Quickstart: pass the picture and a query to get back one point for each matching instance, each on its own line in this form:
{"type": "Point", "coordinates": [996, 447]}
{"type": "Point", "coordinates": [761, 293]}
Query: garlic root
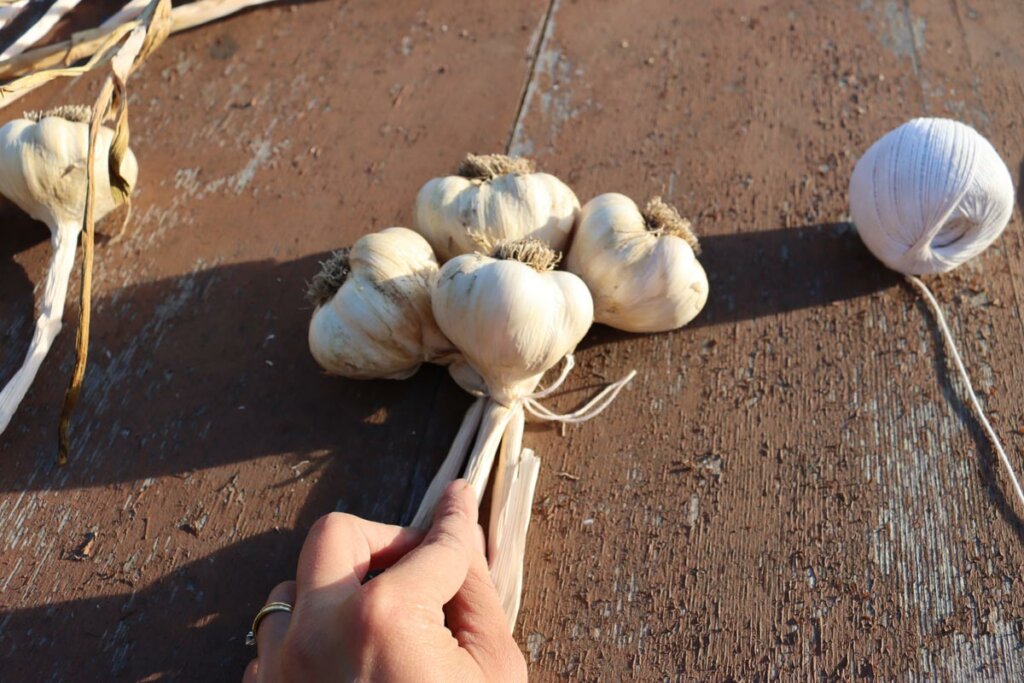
{"type": "Point", "coordinates": [490, 166]}
{"type": "Point", "coordinates": [664, 219]}
{"type": "Point", "coordinates": [449, 469]}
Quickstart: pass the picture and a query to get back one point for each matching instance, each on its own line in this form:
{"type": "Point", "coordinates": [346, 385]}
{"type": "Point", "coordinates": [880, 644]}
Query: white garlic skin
{"type": "Point", "coordinates": [379, 323]}
{"type": "Point", "coordinates": [453, 212]}
{"type": "Point", "coordinates": [511, 322]}
{"type": "Point", "coordinates": [43, 169]}
{"type": "Point", "coordinates": [641, 281]}
{"type": "Point", "coordinates": [930, 195]}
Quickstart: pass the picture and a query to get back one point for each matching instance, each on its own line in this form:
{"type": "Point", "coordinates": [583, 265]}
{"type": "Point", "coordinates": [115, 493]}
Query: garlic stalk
{"type": "Point", "coordinates": [373, 316]}
{"type": "Point", "coordinates": [508, 453]}
{"type": "Point", "coordinates": [9, 10]}
{"type": "Point", "coordinates": [40, 29]}
{"type": "Point", "coordinates": [130, 11]}
{"type": "Point", "coordinates": [641, 267]}
{"type": "Point", "coordinates": [494, 198]}
{"type": "Point", "coordinates": [43, 159]}
{"type": "Point", "coordinates": [507, 536]}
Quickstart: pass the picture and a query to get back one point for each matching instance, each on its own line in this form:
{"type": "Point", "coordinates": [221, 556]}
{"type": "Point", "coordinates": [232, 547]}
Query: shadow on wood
{"type": "Point", "coordinates": [989, 466]}
{"type": "Point", "coordinates": [772, 272]}
{"type": "Point", "coordinates": [211, 368]}
{"type": "Point", "coordinates": [189, 625]}
{"type": "Point", "coordinates": [17, 299]}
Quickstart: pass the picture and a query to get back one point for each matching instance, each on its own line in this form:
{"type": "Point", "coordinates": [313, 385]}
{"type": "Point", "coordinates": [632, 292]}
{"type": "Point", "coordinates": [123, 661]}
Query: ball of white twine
{"type": "Point", "coordinates": [927, 197]}
{"type": "Point", "coordinates": [930, 195]}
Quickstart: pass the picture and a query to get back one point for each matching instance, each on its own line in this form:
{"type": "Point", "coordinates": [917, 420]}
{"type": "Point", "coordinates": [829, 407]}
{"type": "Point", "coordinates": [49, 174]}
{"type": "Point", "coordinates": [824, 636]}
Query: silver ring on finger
{"type": "Point", "coordinates": [267, 609]}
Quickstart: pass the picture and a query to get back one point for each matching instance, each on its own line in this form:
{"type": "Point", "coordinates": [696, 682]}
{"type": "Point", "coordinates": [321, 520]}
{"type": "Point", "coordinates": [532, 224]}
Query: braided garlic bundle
{"type": "Point", "coordinates": [500, 314]}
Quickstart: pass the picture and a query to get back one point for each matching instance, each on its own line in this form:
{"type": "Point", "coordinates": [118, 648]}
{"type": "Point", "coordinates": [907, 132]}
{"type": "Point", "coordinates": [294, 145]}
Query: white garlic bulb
{"type": "Point", "coordinates": [43, 159]}
{"type": "Point", "coordinates": [42, 166]}
{"type": "Point", "coordinates": [373, 317]}
{"type": "Point", "coordinates": [930, 195]}
{"type": "Point", "coordinates": [511, 315]}
{"type": "Point", "coordinates": [641, 268]}
{"type": "Point", "coordinates": [494, 198]}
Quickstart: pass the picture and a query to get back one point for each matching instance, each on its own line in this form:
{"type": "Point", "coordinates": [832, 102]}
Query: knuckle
{"type": "Point", "coordinates": [332, 524]}
{"type": "Point", "coordinates": [447, 537]}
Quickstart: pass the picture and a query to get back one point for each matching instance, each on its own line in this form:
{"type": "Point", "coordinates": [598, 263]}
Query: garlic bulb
{"type": "Point", "coordinates": [512, 316]}
{"type": "Point", "coordinates": [930, 195]}
{"type": "Point", "coordinates": [494, 198]}
{"type": "Point", "coordinates": [641, 268]}
{"type": "Point", "coordinates": [42, 165]}
{"type": "Point", "coordinates": [43, 159]}
{"type": "Point", "coordinates": [373, 317]}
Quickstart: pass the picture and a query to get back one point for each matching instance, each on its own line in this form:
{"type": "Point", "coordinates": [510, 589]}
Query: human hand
{"type": "Point", "coordinates": [433, 615]}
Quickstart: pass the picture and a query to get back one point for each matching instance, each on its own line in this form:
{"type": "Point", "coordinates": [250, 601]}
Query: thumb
{"type": "Point", "coordinates": [437, 568]}
{"type": "Point", "coordinates": [477, 620]}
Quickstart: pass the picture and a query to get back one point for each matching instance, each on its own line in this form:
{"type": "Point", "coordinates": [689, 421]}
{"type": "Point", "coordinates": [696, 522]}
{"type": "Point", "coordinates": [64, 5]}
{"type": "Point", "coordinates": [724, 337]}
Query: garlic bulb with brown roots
{"type": "Point", "coordinates": [640, 266]}
{"type": "Point", "coordinates": [511, 315]}
{"type": "Point", "coordinates": [494, 198]}
{"type": "Point", "coordinates": [373, 316]}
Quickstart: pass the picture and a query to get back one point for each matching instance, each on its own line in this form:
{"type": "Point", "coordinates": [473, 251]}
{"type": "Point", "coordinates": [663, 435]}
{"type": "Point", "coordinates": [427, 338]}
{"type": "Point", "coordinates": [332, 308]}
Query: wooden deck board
{"type": "Point", "coordinates": [265, 141]}
{"type": "Point", "coordinates": [791, 488]}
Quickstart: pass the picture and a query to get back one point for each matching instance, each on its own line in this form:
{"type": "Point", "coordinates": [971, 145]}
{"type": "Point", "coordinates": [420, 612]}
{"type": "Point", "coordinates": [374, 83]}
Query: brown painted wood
{"type": "Point", "coordinates": [208, 440]}
{"type": "Point", "coordinates": [790, 489]}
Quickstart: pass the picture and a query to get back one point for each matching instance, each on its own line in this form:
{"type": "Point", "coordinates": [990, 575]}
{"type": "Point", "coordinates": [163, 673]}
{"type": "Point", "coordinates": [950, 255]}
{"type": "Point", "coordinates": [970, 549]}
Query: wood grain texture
{"type": "Point", "coordinates": [208, 441]}
{"type": "Point", "coordinates": [791, 489]}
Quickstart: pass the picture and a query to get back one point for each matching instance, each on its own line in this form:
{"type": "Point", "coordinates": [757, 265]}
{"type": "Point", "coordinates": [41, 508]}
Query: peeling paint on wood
{"type": "Point", "coordinates": [791, 488]}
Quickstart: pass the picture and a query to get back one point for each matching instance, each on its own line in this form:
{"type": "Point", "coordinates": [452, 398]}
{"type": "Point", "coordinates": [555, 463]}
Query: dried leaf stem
{"type": "Point", "coordinates": [481, 458]}
{"type": "Point", "coordinates": [510, 527]}
{"type": "Point", "coordinates": [40, 28]}
{"type": "Point", "coordinates": [88, 227]}
{"type": "Point", "coordinates": [88, 43]}
{"type": "Point", "coordinates": [152, 29]}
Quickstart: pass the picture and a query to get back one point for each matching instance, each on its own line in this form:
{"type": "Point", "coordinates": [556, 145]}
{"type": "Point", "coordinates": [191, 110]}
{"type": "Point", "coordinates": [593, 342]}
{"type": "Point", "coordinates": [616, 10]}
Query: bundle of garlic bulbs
{"type": "Point", "coordinates": [480, 292]}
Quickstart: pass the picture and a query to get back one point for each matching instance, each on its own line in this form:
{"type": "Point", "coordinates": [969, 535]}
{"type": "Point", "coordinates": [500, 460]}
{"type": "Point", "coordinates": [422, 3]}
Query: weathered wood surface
{"type": "Point", "coordinates": [791, 489]}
